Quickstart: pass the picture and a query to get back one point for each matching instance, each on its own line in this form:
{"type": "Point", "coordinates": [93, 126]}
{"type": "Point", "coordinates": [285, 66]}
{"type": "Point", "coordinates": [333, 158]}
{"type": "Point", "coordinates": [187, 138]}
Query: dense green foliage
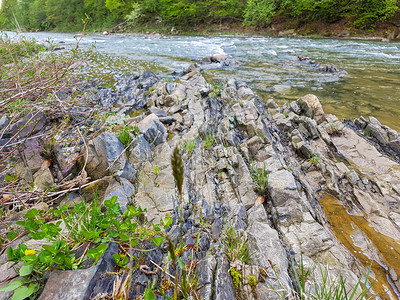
{"type": "Point", "coordinates": [67, 14]}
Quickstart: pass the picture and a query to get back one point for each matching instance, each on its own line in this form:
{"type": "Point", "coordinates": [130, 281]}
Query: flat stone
{"type": "Point", "coordinates": [282, 187]}
{"type": "Point", "coordinates": [153, 131]}
{"type": "Point", "coordinates": [103, 153]}
{"type": "Point", "coordinates": [67, 285]}
{"type": "Point", "coordinates": [37, 123]}
{"type": "Point", "coordinates": [43, 179]}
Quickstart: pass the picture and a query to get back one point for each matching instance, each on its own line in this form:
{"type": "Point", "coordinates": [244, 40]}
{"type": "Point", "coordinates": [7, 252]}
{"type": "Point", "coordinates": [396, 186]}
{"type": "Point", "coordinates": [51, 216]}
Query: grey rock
{"type": "Point", "coordinates": [311, 107]}
{"type": "Point", "coordinates": [67, 285]}
{"type": "Point", "coordinates": [361, 123]}
{"type": "Point", "coordinates": [218, 57]}
{"type": "Point", "coordinates": [4, 122]}
{"type": "Point", "coordinates": [377, 132]}
{"type": "Point", "coordinates": [103, 153]}
{"type": "Point", "coordinates": [158, 112]}
{"type": "Point", "coordinates": [395, 145]}
{"type": "Point", "coordinates": [167, 120]}
{"type": "Point", "coordinates": [282, 187]}
{"type": "Point", "coordinates": [140, 151]}
{"type": "Point", "coordinates": [43, 179]}
{"type": "Point", "coordinates": [22, 171]}
{"type": "Point", "coordinates": [272, 104]}
{"type": "Point", "coordinates": [123, 190]}
{"type": "Point", "coordinates": [205, 270]}
{"type": "Point", "coordinates": [31, 151]}
{"type": "Point", "coordinates": [128, 171]}
{"type": "Point", "coordinates": [223, 285]}
{"type": "Point", "coordinates": [153, 131]}
{"type": "Point", "coordinates": [31, 123]}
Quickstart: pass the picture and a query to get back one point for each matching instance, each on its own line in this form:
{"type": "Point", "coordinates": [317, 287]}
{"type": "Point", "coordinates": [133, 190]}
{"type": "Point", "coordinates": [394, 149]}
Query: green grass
{"type": "Point", "coordinates": [12, 51]}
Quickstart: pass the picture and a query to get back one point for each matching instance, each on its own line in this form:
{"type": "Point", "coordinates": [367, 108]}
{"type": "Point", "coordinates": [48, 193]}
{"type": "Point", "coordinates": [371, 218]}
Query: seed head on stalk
{"type": "Point", "coordinates": [177, 170]}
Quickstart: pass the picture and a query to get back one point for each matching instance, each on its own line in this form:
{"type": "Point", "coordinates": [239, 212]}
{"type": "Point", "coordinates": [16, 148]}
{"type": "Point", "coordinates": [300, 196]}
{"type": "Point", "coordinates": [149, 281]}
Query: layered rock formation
{"type": "Point", "coordinates": [306, 153]}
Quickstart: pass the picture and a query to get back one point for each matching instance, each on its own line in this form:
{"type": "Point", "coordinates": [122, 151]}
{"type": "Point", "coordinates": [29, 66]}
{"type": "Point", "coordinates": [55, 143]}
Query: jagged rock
{"type": "Point", "coordinates": [22, 171]}
{"type": "Point", "coordinates": [153, 130]}
{"type": "Point", "coordinates": [218, 57]}
{"type": "Point", "coordinates": [3, 122]}
{"type": "Point", "coordinates": [245, 93]}
{"type": "Point", "coordinates": [223, 285]}
{"type": "Point", "coordinates": [29, 124]}
{"type": "Point", "coordinates": [132, 89]}
{"type": "Point", "coordinates": [105, 156]}
{"type": "Point", "coordinates": [67, 285]}
{"type": "Point", "coordinates": [282, 187]}
{"type": "Point", "coordinates": [206, 270]}
{"type": "Point", "coordinates": [311, 107]}
{"type": "Point", "coordinates": [158, 112]}
{"type": "Point", "coordinates": [123, 190]}
{"type": "Point", "coordinates": [272, 104]}
{"type": "Point", "coordinates": [43, 179]}
{"type": "Point", "coordinates": [140, 151]}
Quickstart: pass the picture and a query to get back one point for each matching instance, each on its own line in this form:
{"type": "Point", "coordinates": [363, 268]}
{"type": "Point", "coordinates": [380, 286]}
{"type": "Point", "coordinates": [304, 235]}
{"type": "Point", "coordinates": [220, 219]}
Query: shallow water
{"type": "Point", "coordinates": [347, 229]}
{"type": "Point", "coordinates": [270, 67]}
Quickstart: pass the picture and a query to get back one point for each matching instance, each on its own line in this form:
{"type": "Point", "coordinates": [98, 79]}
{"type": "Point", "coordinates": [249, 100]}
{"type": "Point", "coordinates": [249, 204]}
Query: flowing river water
{"type": "Point", "coordinates": [271, 68]}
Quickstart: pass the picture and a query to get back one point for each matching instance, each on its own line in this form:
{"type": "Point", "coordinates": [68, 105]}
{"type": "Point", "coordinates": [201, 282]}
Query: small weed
{"type": "Point", "coordinates": [235, 245]}
{"type": "Point", "coordinates": [307, 286]}
{"type": "Point", "coordinates": [367, 132]}
{"type": "Point", "coordinates": [314, 159]}
{"type": "Point", "coordinates": [216, 90]}
{"type": "Point", "coordinates": [334, 128]}
{"type": "Point", "coordinates": [209, 141]}
{"type": "Point", "coordinates": [156, 170]}
{"type": "Point", "coordinates": [188, 146]}
{"type": "Point", "coordinates": [252, 281]}
{"type": "Point", "coordinates": [260, 178]}
{"type": "Point", "coordinates": [127, 134]}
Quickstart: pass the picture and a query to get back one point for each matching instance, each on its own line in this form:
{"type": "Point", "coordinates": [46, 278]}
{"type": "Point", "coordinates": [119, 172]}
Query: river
{"type": "Point", "coordinates": [270, 67]}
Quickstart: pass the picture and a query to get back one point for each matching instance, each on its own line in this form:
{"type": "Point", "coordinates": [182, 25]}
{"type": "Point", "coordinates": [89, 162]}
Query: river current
{"type": "Point", "coordinates": [270, 67]}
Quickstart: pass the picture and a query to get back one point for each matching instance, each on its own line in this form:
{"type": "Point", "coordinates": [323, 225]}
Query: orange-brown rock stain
{"type": "Point", "coordinates": [344, 225]}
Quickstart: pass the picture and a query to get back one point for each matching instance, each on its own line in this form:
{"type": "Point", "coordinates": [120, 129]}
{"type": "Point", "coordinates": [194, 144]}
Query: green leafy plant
{"type": "Point", "coordinates": [209, 140]}
{"type": "Point", "coordinates": [260, 179]}
{"type": "Point", "coordinates": [188, 146]}
{"type": "Point", "coordinates": [85, 223]}
{"type": "Point", "coordinates": [322, 286]}
{"type": "Point", "coordinates": [127, 134]}
{"type": "Point", "coordinates": [314, 159]}
{"type": "Point", "coordinates": [336, 128]}
{"type": "Point", "coordinates": [235, 245]}
{"type": "Point", "coordinates": [216, 90]}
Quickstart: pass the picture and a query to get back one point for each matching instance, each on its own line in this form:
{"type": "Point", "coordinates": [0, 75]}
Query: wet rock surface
{"type": "Point", "coordinates": [305, 152]}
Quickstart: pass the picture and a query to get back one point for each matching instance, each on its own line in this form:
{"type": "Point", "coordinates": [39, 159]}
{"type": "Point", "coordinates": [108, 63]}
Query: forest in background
{"type": "Point", "coordinates": [67, 15]}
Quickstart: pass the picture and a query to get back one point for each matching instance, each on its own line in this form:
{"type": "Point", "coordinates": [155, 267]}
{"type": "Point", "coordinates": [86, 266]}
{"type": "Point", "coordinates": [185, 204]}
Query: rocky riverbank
{"type": "Point", "coordinates": [254, 173]}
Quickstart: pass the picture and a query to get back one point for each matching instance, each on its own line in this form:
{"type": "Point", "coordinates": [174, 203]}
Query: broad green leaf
{"type": "Point", "coordinates": [11, 286]}
{"type": "Point", "coordinates": [149, 295]}
{"type": "Point", "coordinates": [25, 270]}
{"type": "Point", "coordinates": [23, 292]}
{"type": "Point", "coordinates": [166, 222]}
{"type": "Point", "coordinates": [134, 243]}
{"type": "Point", "coordinates": [45, 257]}
{"type": "Point", "coordinates": [157, 240]}
{"type": "Point", "coordinates": [12, 235]}
{"type": "Point", "coordinates": [31, 213]}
